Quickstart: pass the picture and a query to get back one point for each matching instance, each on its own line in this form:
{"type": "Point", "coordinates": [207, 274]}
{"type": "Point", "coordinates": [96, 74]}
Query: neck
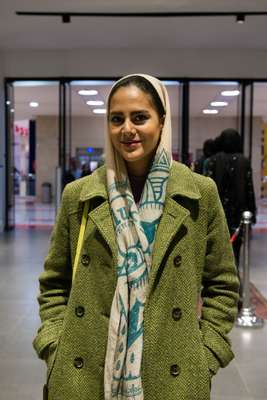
{"type": "Point", "coordinates": [139, 168]}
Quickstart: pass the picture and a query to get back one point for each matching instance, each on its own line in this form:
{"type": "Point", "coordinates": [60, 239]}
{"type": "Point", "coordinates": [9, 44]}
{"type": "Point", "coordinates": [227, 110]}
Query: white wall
{"type": "Point", "coordinates": [210, 63]}
{"type": "Point", "coordinates": [46, 152]}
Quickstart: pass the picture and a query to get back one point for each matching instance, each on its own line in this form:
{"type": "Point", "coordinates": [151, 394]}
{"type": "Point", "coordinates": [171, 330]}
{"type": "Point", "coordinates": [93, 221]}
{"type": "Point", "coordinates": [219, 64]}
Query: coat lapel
{"type": "Point", "coordinates": [172, 219]}
{"type": "Point", "coordinates": [180, 184]}
{"type": "Point", "coordinates": [95, 189]}
{"type": "Point", "coordinates": [101, 217]}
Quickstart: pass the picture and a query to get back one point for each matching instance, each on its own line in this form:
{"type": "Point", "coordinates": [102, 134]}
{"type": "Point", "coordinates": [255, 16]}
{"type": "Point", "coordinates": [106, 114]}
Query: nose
{"type": "Point", "coordinates": [128, 127]}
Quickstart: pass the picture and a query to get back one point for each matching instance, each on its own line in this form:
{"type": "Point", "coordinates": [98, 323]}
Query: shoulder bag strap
{"type": "Point", "coordinates": [80, 238]}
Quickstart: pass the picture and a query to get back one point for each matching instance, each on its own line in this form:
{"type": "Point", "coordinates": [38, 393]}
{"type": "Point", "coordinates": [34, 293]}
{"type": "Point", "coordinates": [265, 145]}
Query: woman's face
{"type": "Point", "coordinates": [134, 127]}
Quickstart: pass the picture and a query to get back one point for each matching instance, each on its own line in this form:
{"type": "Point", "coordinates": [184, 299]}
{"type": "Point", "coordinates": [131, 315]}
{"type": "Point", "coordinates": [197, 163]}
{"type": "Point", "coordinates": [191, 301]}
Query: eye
{"type": "Point", "coordinates": [140, 118]}
{"type": "Point", "coordinates": [116, 119]}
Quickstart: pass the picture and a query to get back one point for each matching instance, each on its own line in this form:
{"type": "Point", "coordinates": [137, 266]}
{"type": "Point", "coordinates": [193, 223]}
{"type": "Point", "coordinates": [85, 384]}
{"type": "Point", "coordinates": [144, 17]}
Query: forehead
{"type": "Point", "coordinates": [127, 96]}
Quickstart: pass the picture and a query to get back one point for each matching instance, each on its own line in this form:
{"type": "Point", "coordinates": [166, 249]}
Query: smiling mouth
{"type": "Point", "coordinates": [131, 142]}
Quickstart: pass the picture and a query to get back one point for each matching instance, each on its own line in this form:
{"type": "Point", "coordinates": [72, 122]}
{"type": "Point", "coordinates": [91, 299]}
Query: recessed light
{"type": "Point", "coordinates": [87, 92]}
{"type": "Point", "coordinates": [219, 103]}
{"type": "Point", "coordinates": [8, 102]}
{"type": "Point", "coordinates": [34, 104]}
{"type": "Point", "coordinates": [230, 93]}
{"type": "Point", "coordinates": [95, 103]}
{"type": "Point", "coordinates": [208, 111]}
{"type": "Point", "coordinates": [240, 18]}
{"type": "Point", "coordinates": [99, 111]}
{"type": "Point", "coordinates": [12, 110]}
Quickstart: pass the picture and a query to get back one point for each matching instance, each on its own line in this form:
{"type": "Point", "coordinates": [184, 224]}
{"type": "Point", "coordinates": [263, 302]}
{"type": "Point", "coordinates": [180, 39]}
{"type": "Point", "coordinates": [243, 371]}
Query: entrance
{"type": "Point", "coordinates": [32, 138]}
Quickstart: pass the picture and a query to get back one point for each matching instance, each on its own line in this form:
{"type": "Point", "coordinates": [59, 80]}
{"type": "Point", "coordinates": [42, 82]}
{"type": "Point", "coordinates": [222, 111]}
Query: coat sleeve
{"type": "Point", "coordinates": [55, 283]}
{"type": "Point", "coordinates": [220, 286]}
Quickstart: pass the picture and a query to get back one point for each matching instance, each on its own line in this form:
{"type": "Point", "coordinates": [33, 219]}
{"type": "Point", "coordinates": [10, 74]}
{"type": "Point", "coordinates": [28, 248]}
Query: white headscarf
{"type": "Point", "coordinates": [135, 233]}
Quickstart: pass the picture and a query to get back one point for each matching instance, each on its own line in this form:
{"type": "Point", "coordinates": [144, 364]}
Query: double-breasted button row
{"type": "Point", "coordinates": [78, 362]}
{"type": "Point", "coordinates": [79, 311]}
{"type": "Point", "coordinates": [175, 370]}
{"type": "Point", "coordinates": [85, 259]}
{"type": "Point", "coordinates": [176, 314]}
{"type": "Point", "coordinates": [177, 261]}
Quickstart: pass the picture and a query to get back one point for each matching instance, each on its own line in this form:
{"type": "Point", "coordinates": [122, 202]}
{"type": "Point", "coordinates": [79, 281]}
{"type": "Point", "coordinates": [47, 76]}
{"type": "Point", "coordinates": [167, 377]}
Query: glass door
{"type": "Point", "coordinates": [11, 176]}
{"type": "Point", "coordinates": [214, 106]}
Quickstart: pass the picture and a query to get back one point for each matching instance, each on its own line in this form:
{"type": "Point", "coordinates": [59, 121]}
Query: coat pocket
{"type": "Point", "coordinates": [53, 349]}
{"type": "Point", "coordinates": [205, 373]}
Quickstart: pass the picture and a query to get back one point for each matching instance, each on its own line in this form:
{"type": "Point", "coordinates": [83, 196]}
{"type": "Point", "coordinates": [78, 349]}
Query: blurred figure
{"type": "Point", "coordinates": [208, 150]}
{"type": "Point", "coordinates": [68, 177]}
{"type": "Point", "coordinates": [86, 170]}
{"type": "Point", "coordinates": [232, 173]}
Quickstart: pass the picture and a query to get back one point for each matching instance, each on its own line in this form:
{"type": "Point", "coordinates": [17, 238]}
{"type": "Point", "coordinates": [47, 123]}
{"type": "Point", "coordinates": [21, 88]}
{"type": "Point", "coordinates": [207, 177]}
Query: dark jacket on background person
{"type": "Point", "coordinates": [232, 173]}
{"type": "Point", "coordinates": [192, 249]}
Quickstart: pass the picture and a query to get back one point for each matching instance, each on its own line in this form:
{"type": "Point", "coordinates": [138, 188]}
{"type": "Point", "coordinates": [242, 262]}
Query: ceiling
{"type": "Point", "coordinates": [25, 32]}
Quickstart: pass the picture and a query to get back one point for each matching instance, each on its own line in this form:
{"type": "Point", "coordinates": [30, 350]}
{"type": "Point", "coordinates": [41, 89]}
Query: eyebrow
{"type": "Point", "coordinates": [132, 113]}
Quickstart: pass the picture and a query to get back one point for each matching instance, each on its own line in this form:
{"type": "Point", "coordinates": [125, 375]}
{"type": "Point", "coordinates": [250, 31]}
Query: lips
{"type": "Point", "coordinates": [131, 142]}
{"type": "Point", "coordinates": [130, 145]}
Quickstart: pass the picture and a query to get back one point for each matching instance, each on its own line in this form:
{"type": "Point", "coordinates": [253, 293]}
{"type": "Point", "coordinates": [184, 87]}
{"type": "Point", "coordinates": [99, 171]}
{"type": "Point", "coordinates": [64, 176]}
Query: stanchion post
{"type": "Point", "coordinates": [247, 317]}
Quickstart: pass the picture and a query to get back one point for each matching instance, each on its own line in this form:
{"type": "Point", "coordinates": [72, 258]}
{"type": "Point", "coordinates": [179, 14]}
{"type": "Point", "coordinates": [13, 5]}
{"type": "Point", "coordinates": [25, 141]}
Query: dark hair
{"type": "Point", "coordinates": [144, 85]}
{"type": "Point", "coordinates": [208, 148]}
{"type": "Point", "coordinates": [231, 141]}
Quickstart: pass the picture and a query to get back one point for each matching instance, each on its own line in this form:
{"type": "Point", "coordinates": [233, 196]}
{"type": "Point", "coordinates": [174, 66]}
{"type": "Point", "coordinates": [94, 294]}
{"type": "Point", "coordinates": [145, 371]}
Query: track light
{"type": "Point", "coordinates": [65, 18]}
{"type": "Point", "coordinates": [240, 18]}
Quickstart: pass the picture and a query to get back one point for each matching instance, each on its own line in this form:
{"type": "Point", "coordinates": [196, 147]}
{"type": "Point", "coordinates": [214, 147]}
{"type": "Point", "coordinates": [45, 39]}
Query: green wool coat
{"type": "Point", "coordinates": [192, 256]}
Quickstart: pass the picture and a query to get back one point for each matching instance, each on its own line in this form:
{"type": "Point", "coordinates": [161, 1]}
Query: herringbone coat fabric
{"type": "Point", "coordinates": [192, 256]}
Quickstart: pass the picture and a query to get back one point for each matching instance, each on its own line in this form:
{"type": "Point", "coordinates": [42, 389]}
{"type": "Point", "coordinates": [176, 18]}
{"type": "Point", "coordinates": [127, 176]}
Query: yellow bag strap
{"type": "Point", "coordinates": [80, 238]}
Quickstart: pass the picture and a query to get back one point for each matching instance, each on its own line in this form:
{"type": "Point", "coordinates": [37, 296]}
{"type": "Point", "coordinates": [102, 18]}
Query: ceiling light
{"type": "Point", "coordinates": [86, 92]}
{"type": "Point", "coordinates": [65, 18]}
{"type": "Point", "coordinates": [240, 18]}
{"type": "Point", "coordinates": [34, 83]}
{"type": "Point", "coordinates": [95, 103]}
{"type": "Point", "coordinates": [230, 93]}
{"type": "Point", "coordinates": [99, 111]}
{"type": "Point", "coordinates": [34, 104]}
{"type": "Point", "coordinates": [8, 102]}
{"type": "Point", "coordinates": [208, 111]}
{"type": "Point", "coordinates": [91, 83]}
{"type": "Point", "coordinates": [219, 103]}
{"type": "Point", "coordinates": [12, 110]}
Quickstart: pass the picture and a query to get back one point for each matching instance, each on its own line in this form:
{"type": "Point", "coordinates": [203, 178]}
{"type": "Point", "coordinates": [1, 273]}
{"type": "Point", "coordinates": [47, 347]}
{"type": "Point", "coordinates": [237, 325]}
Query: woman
{"type": "Point", "coordinates": [127, 327]}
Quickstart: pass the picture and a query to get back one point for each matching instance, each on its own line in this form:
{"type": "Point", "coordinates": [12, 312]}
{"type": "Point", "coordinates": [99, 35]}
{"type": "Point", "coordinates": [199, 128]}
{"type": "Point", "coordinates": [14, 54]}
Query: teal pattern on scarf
{"type": "Point", "coordinates": [135, 232]}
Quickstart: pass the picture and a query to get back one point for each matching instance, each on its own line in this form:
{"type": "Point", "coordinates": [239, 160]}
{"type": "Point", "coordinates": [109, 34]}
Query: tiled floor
{"type": "Point", "coordinates": [29, 212]}
{"type": "Point", "coordinates": [22, 374]}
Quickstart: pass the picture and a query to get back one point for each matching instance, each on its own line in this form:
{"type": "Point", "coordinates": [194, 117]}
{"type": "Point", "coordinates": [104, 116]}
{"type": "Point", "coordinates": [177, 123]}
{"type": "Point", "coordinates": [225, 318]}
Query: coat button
{"type": "Point", "coordinates": [175, 370]}
{"type": "Point", "coordinates": [78, 362]}
{"type": "Point", "coordinates": [177, 261]}
{"type": "Point", "coordinates": [79, 311]}
{"type": "Point", "coordinates": [85, 259]}
{"type": "Point", "coordinates": [176, 314]}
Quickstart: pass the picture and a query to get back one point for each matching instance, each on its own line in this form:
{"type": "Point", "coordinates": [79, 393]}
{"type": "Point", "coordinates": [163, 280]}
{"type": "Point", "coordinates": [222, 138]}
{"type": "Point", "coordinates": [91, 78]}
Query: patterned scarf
{"type": "Point", "coordinates": [135, 228]}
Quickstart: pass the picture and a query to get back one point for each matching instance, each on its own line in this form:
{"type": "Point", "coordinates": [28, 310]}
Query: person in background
{"type": "Point", "coordinates": [124, 324]}
{"type": "Point", "coordinates": [85, 170]}
{"type": "Point", "coordinates": [232, 172]}
{"type": "Point", "coordinates": [208, 150]}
